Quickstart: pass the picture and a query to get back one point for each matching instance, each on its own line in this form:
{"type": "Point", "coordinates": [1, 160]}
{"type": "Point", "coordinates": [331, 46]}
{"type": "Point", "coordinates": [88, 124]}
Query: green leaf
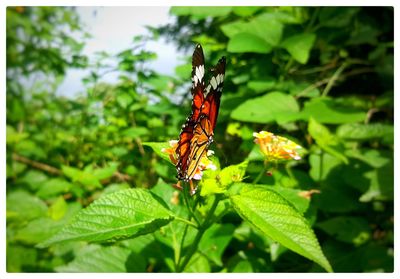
{"type": "Point", "coordinates": [357, 131]}
{"type": "Point", "coordinates": [348, 229]}
{"type": "Point", "coordinates": [35, 179]}
{"type": "Point", "coordinates": [293, 196]}
{"type": "Point", "coordinates": [281, 108]}
{"type": "Point", "coordinates": [29, 149]}
{"type": "Point", "coordinates": [326, 140]}
{"type": "Point", "coordinates": [122, 214]}
{"type": "Point", "coordinates": [158, 147]}
{"type": "Point", "coordinates": [247, 42]}
{"type": "Point", "coordinates": [337, 16]}
{"type": "Point", "coordinates": [40, 229]}
{"type": "Point", "coordinates": [275, 217]}
{"type": "Point", "coordinates": [95, 258]}
{"type": "Point", "coordinates": [381, 184]}
{"type": "Point", "coordinates": [328, 111]}
{"type": "Point", "coordinates": [374, 158]}
{"type": "Point", "coordinates": [215, 240]}
{"type": "Point", "coordinates": [13, 137]}
{"type": "Point", "coordinates": [261, 85]}
{"type": "Point", "coordinates": [87, 178]}
{"type": "Point", "coordinates": [245, 11]}
{"type": "Point", "coordinates": [19, 258]}
{"type": "Point", "coordinates": [58, 209]}
{"type": "Point", "coordinates": [135, 132]}
{"type": "Point", "coordinates": [124, 100]}
{"type": "Point", "coordinates": [322, 164]}
{"type": "Point", "coordinates": [22, 206]}
{"type": "Point", "coordinates": [105, 172]}
{"type": "Point", "coordinates": [201, 12]}
{"type": "Point", "coordinates": [183, 71]}
{"type": "Point", "coordinates": [53, 187]}
{"type": "Point", "coordinates": [299, 46]}
{"type": "Point", "coordinates": [232, 174]}
{"type": "Point", "coordinates": [256, 26]}
{"type": "Point", "coordinates": [336, 190]}
{"type": "Point", "coordinates": [198, 263]}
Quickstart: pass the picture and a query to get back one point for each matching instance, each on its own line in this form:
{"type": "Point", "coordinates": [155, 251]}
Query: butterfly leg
{"type": "Point", "coordinates": [193, 188]}
{"type": "Point", "coordinates": [177, 186]}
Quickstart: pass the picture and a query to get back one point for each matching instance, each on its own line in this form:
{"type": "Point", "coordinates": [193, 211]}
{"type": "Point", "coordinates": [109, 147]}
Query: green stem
{"type": "Point", "coordinates": [187, 222]}
{"type": "Point", "coordinates": [334, 77]}
{"type": "Point", "coordinates": [261, 174]}
{"type": "Point", "coordinates": [204, 226]}
{"type": "Point", "coordinates": [189, 208]}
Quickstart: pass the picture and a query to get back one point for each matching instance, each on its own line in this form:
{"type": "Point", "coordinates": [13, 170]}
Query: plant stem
{"type": "Point", "coordinates": [261, 174]}
{"type": "Point", "coordinates": [189, 223]}
{"type": "Point", "coordinates": [189, 208]}
{"type": "Point", "coordinates": [332, 80]}
{"type": "Point", "coordinates": [204, 226]}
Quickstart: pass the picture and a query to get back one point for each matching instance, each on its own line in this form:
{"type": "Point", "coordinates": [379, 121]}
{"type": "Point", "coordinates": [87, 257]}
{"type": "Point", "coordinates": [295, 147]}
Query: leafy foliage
{"type": "Point", "coordinates": [89, 188]}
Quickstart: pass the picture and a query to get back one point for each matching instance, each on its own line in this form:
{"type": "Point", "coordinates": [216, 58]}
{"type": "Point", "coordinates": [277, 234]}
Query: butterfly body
{"type": "Point", "coordinates": [198, 131]}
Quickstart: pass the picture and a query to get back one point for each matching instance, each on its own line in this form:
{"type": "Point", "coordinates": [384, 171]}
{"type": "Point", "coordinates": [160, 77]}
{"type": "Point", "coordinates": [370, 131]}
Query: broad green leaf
{"type": "Point", "coordinates": [95, 258]}
{"type": "Point", "coordinates": [326, 140]}
{"type": "Point", "coordinates": [23, 206]}
{"type": "Point", "coordinates": [369, 257]}
{"type": "Point", "coordinates": [328, 111]}
{"type": "Point", "coordinates": [322, 164]}
{"type": "Point", "coordinates": [30, 149]}
{"type": "Point", "coordinates": [106, 171]}
{"type": "Point", "coordinates": [293, 196]}
{"type": "Point", "coordinates": [364, 34]}
{"type": "Point", "coordinates": [256, 26]}
{"type": "Point", "coordinates": [348, 229]}
{"type": "Point", "coordinates": [40, 229]}
{"type": "Point", "coordinates": [87, 178]}
{"type": "Point", "coordinates": [215, 240]}
{"type": "Point", "coordinates": [261, 85]}
{"type": "Point", "coordinates": [115, 187]}
{"type": "Point", "coordinates": [274, 106]}
{"type": "Point", "coordinates": [201, 12]}
{"type": "Point", "coordinates": [374, 158]}
{"type": "Point", "coordinates": [232, 174]}
{"type": "Point", "coordinates": [158, 147]}
{"type": "Point", "coordinates": [135, 132]}
{"type": "Point", "coordinates": [58, 209]}
{"type": "Point", "coordinates": [246, 262]}
{"type": "Point", "coordinates": [211, 184]}
{"type": "Point", "coordinates": [247, 42]}
{"type": "Point", "coordinates": [53, 187]}
{"type": "Point", "coordinates": [357, 131]}
{"type": "Point", "coordinates": [184, 70]}
{"type": "Point", "coordinates": [122, 214]}
{"type": "Point", "coordinates": [299, 46]}
{"type": "Point", "coordinates": [35, 179]}
{"type": "Point", "coordinates": [245, 11]}
{"type": "Point", "coordinates": [198, 263]}
{"type": "Point", "coordinates": [381, 185]}
{"type": "Point", "coordinates": [13, 136]}
{"type": "Point", "coordinates": [124, 99]}
{"type": "Point", "coordinates": [334, 190]}
{"type": "Point", "coordinates": [337, 16]}
{"type": "Point", "coordinates": [19, 257]}
{"type": "Point", "coordinates": [275, 217]}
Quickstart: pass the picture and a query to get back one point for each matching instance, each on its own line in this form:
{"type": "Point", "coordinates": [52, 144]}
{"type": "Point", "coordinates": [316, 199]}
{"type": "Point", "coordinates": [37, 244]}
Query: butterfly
{"type": "Point", "coordinates": [198, 131]}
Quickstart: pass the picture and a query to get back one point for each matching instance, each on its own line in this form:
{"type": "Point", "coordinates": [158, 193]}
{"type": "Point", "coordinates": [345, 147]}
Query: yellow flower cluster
{"type": "Point", "coordinates": [204, 163]}
{"type": "Point", "coordinates": [276, 148]}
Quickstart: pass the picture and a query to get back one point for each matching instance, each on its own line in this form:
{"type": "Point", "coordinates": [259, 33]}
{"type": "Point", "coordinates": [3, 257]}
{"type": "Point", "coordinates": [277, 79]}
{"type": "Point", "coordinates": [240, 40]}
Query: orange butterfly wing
{"type": "Point", "coordinates": [198, 130]}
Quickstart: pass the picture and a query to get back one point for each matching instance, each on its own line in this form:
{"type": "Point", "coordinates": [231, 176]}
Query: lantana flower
{"type": "Point", "coordinates": [276, 148]}
{"type": "Point", "coordinates": [204, 164]}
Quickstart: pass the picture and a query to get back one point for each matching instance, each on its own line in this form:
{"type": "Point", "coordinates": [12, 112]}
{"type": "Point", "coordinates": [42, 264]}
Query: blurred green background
{"type": "Point", "coordinates": [322, 76]}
